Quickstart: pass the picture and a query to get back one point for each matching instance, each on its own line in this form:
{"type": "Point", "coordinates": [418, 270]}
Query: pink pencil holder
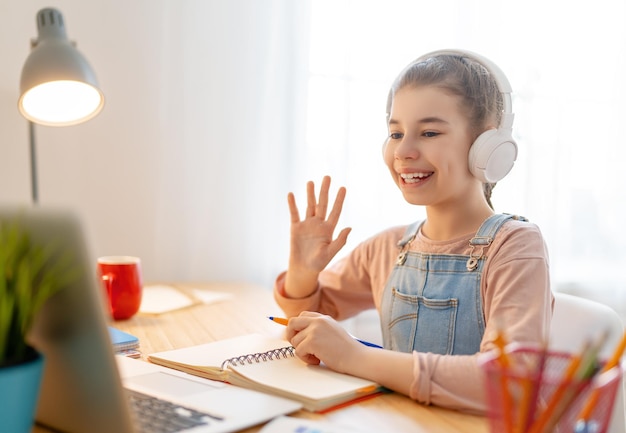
{"type": "Point", "coordinates": [520, 392]}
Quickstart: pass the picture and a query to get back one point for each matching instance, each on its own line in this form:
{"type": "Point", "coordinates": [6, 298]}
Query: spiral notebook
{"type": "Point", "coordinates": [269, 365]}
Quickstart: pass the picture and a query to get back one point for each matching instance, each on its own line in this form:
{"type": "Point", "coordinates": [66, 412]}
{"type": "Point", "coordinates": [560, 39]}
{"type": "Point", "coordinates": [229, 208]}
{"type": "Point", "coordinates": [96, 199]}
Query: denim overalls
{"type": "Point", "coordinates": [432, 302]}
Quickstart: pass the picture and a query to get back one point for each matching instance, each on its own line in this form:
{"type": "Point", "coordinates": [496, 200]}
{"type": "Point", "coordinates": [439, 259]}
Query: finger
{"type": "Point", "coordinates": [300, 323]}
{"type": "Point", "coordinates": [307, 357]}
{"type": "Point", "coordinates": [322, 206]}
{"type": "Point", "coordinates": [294, 326]}
{"type": "Point", "coordinates": [293, 336]}
{"type": "Point", "coordinates": [340, 241]}
{"type": "Point", "coordinates": [293, 208]}
{"type": "Point", "coordinates": [299, 342]}
{"type": "Point", "coordinates": [311, 201]}
{"type": "Point", "coordinates": [293, 332]}
{"type": "Point", "coordinates": [333, 218]}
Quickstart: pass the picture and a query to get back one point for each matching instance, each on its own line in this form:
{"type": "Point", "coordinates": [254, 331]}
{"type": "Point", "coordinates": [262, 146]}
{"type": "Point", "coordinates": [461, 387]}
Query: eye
{"type": "Point", "coordinates": [430, 134]}
{"type": "Point", "coordinates": [396, 135]}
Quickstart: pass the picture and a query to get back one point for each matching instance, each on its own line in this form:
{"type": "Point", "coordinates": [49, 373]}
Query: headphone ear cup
{"type": "Point", "coordinates": [492, 155]}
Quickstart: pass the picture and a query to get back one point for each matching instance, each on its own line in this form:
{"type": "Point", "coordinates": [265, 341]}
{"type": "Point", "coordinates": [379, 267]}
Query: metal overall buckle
{"type": "Point", "coordinates": [482, 243]}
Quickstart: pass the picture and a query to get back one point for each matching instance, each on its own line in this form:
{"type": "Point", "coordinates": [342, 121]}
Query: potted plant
{"type": "Point", "coordinates": [29, 275]}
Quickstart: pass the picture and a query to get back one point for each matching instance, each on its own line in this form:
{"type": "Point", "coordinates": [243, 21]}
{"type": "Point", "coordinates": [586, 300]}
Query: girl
{"type": "Point", "coordinates": [444, 287]}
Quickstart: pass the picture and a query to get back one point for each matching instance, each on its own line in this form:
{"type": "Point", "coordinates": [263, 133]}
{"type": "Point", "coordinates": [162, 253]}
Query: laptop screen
{"type": "Point", "coordinates": [81, 389]}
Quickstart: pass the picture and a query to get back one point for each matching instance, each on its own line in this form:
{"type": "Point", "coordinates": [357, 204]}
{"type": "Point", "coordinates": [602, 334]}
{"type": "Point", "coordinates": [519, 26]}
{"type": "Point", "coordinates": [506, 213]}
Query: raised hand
{"type": "Point", "coordinates": [312, 245]}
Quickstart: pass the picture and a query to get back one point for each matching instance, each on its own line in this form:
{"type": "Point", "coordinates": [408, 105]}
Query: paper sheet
{"type": "Point", "coordinates": [160, 298]}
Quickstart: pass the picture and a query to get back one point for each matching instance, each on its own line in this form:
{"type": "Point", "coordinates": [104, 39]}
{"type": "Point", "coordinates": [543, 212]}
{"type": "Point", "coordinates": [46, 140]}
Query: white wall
{"type": "Point", "coordinates": [176, 164]}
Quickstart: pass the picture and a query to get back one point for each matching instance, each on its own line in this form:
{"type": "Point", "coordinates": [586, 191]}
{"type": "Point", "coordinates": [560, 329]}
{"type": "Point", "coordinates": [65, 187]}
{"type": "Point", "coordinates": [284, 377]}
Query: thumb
{"type": "Point", "coordinates": [340, 241]}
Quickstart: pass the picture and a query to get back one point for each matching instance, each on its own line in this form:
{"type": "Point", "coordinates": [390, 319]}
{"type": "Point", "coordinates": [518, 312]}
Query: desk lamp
{"type": "Point", "coordinates": [57, 86]}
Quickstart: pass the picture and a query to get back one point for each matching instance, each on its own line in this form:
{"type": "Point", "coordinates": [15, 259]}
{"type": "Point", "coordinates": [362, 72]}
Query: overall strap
{"type": "Point", "coordinates": [403, 244]}
{"type": "Point", "coordinates": [490, 227]}
{"type": "Point", "coordinates": [410, 233]}
{"type": "Point", "coordinates": [485, 234]}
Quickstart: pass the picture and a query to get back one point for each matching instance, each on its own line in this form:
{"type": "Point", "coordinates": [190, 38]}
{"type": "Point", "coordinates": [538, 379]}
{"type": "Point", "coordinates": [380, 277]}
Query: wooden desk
{"type": "Point", "coordinates": [247, 312]}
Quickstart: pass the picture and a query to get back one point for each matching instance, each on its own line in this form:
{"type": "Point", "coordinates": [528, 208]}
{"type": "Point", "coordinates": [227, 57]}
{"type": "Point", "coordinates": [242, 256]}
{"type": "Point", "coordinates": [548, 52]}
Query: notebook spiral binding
{"type": "Point", "coordinates": [270, 355]}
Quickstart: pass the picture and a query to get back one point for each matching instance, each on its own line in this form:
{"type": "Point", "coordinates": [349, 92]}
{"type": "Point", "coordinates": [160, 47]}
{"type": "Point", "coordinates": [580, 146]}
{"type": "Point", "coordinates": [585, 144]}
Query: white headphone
{"type": "Point", "coordinates": [493, 153]}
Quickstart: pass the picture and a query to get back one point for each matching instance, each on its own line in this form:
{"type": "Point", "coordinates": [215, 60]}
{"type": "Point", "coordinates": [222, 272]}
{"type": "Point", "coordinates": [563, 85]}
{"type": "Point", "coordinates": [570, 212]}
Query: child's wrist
{"type": "Point", "coordinates": [300, 283]}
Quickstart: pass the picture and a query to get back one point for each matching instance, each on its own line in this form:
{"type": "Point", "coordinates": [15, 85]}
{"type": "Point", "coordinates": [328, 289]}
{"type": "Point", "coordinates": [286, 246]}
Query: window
{"type": "Point", "coordinates": [569, 89]}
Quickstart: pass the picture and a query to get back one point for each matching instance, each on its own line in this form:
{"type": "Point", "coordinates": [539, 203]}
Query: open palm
{"type": "Point", "coordinates": [312, 243]}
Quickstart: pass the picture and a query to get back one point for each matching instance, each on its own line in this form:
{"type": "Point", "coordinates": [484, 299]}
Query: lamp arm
{"type": "Point", "coordinates": [33, 162]}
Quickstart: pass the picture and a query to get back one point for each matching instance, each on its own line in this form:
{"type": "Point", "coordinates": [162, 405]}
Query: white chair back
{"type": "Point", "coordinates": [576, 320]}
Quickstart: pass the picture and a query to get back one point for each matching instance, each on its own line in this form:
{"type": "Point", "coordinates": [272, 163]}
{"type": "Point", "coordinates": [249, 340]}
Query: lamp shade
{"type": "Point", "coordinates": [57, 85]}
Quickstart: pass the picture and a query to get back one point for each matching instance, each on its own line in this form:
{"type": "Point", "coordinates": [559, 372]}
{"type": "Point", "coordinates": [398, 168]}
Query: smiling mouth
{"type": "Point", "coordinates": [410, 178]}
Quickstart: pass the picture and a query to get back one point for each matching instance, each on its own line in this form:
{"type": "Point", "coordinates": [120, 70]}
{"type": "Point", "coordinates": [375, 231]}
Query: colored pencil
{"type": "Point", "coordinates": [560, 397]}
{"type": "Point", "coordinates": [505, 367]}
{"type": "Point", "coordinates": [532, 387]}
{"type": "Point", "coordinates": [592, 401]}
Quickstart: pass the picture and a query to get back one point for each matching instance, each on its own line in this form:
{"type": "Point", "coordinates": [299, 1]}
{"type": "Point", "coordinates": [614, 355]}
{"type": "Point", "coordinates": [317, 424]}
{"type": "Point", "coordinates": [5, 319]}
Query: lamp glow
{"type": "Point", "coordinates": [61, 102]}
{"type": "Point", "coordinates": [57, 86]}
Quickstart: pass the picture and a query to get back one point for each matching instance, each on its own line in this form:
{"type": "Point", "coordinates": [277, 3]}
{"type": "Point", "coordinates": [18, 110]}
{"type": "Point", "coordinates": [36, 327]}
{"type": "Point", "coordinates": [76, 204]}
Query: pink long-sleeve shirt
{"type": "Point", "coordinates": [515, 291]}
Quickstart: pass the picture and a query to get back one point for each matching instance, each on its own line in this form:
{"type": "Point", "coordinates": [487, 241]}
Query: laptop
{"type": "Point", "coordinates": [86, 388]}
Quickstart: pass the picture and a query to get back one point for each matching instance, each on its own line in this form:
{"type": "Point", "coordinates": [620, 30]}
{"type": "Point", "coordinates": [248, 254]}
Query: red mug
{"type": "Point", "coordinates": [121, 279]}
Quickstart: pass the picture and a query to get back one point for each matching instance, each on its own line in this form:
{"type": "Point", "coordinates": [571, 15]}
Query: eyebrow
{"type": "Point", "coordinates": [425, 120]}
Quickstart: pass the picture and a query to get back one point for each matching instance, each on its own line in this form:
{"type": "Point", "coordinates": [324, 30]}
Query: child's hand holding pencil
{"type": "Point", "coordinates": [285, 322]}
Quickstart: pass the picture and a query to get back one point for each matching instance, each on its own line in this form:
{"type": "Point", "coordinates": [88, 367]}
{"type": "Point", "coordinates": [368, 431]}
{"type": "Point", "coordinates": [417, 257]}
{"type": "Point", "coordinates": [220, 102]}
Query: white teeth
{"type": "Point", "coordinates": [413, 177]}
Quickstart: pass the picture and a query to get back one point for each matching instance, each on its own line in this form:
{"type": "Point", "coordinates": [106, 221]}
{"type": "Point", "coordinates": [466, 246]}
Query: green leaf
{"type": "Point", "coordinates": [6, 318]}
{"type": "Point", "coordinates": [29, 275]}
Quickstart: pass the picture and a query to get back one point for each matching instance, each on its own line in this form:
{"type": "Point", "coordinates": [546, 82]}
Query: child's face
{"type": "Point", "coordinates": [428, 146]}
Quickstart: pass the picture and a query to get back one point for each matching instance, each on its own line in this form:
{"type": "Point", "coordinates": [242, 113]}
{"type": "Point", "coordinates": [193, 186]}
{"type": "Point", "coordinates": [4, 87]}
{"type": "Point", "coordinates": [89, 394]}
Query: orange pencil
{"type": "Point", "coordinates": [591, 403]}
{"type": "Point", "coordinates": [505, 366]}
{"type": "Point", "coordinates": [500, 343]}
{"type": "Point", "coordinates": [285, 322]}
{"type": "Point", "coordinates": [279, 320]}
{"type": "Point", "coordinates": [532, 387]}
{"type": "Point", "coordinates": [557, 397]}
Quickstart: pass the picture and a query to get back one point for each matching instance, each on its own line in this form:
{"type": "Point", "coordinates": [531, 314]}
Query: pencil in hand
{"type": "Point", "coordinates": [279, 320]}
{"type": "Point", "coordinates": [285, 322]}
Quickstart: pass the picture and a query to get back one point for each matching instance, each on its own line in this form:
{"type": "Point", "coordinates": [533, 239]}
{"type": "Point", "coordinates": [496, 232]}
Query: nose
{"type": "Point", "coordinates": [406, 149]}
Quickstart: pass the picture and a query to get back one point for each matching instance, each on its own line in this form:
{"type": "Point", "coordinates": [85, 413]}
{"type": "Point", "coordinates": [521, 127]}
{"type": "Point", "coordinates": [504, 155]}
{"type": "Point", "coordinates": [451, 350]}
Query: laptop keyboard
{"type": "Point", "coordinates": [153, 415]}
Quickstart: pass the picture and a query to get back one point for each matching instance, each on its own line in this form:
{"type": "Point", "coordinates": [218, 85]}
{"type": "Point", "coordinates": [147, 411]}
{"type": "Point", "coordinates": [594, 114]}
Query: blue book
{"type": "Point", "coordinates": [122, 340]}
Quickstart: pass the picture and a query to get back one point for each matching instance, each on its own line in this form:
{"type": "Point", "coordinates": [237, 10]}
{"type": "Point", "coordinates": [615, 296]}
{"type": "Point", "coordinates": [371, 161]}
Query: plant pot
{"type": "Point", "coordinates": [19, 393]}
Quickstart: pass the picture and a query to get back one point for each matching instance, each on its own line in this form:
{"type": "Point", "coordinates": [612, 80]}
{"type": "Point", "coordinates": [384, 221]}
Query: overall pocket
{"type": "Point", "coordinates": [422, 324]}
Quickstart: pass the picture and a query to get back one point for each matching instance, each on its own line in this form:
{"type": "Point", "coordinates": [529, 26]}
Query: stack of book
{"type": "Point", "coordinates": [124, 343]}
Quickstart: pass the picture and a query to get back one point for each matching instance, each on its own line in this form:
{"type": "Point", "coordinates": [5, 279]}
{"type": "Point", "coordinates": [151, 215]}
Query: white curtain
{"type": "Point", "coordinates": [235, 73]}
{"type": "Point", "coordinates": [566, 63]}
